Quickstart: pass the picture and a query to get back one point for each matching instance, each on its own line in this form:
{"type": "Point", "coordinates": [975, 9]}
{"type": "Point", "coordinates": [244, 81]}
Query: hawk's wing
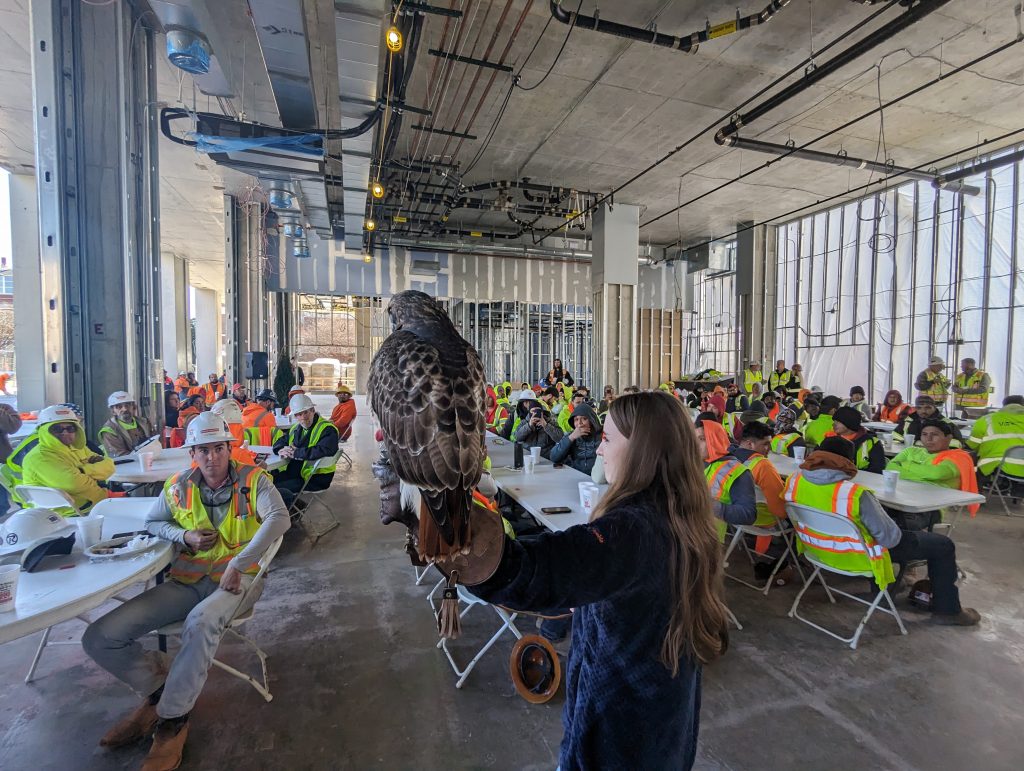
{"type": "Point", "coordinates": [431, 411]}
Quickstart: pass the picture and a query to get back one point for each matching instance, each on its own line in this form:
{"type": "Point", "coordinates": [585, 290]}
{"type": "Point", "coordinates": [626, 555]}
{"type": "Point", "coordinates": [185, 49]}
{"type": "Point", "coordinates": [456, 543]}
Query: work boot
{"type": "Point", "coordinates": [138, 725]}
{"type": "Point", "coordinates": [966, 617]}
{"type": "Point", "coordinates": [168, 743]}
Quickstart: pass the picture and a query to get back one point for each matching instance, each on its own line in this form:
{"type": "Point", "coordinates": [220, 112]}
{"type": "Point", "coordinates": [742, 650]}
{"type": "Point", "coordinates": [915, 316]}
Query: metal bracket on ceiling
{"type": "Point", "coordinates": [469, 60]}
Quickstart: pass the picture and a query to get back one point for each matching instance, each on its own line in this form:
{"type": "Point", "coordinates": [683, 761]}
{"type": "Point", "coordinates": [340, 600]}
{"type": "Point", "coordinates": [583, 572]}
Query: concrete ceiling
{"type": "Point", "coordinates": [612, 106]}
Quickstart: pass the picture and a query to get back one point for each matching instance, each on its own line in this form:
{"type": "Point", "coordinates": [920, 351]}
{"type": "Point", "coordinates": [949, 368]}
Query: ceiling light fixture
{"type": "Point", "coordinates": [367, 258]}
{"type": "Point", "coordinates": [377, 190]}
{"type": "Point", "coordinates": [393, 39]}
{"type": "Point", "coordinates": [370, 224]}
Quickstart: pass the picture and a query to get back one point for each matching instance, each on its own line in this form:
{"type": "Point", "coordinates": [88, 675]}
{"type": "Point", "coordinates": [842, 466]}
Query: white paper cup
{"type": "Point", "coordinates": [535, 454]}
{"type": "Point", "coordinates": [590, 495]}
{"type": "Point", "coordinates": [90, 530]}
{"type": "Point", "coordinates": [889, 480]}
{"type": "Point", "coordinates": [146, 461]}
{"type": "Point", "coordinates": [583, 486]}
{"type": "Point", "coordinates": [9, 575]}
{"type": "Point", "coordinates": [799, 453]}
{"type": "Point", "coordinates": [910, 439]}
{"type": "Point", "coordinates": [529, 464]}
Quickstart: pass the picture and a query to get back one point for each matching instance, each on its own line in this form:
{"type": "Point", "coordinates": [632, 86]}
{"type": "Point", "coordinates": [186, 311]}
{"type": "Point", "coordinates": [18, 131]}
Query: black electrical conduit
{"type": "Point", "coordinates": [486, 204]}
{"type": "Point", "coordinates": [840, 60]}
{"type": "Point", "coordinates": [686, 44]}
{"type": "Point", "coordinates": [952, 180]}
{"type": "Point", "coordinates": [757, 95]}
{"type": "Point", "coordinates": [837, 129]}
{"type": "Point", "coordinates": [836, 159]}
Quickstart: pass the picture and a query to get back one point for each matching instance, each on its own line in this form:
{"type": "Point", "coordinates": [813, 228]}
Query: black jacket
{"type": "Point", "coordinates": [298, 438]}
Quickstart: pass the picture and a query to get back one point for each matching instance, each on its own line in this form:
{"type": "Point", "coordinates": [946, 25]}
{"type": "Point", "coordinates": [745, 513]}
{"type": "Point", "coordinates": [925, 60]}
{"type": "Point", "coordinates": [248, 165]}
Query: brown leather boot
{"type": "Point", "coordinates": [138, 725]}
{"type": "Point", "coordinates": [168, 743]}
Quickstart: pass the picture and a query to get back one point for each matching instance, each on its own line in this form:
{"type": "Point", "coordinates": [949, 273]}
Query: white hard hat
{"type": "Point", "coordinates": [207, 428]}
{"type": "Point", "coordinates": [58, 413]}
{"type": "Point", "coordinates": [119, 397]}
{"type": "Point", "coordinates": [300, 403]}
{"type": "Point", "coordinates": [28, 528]}
{"type": "Point", "coordinates": [229, 410]}
{"type": "Point", "coordinates": [526, 394]}
{"type": "Point", "coordinates": [936, 360]}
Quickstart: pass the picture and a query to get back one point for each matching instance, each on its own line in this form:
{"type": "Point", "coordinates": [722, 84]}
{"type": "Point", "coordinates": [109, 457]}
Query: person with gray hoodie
{"type": "Point", "coordinates": [538, 429]}
{"type": "Point", "coordinates": [578, 448]}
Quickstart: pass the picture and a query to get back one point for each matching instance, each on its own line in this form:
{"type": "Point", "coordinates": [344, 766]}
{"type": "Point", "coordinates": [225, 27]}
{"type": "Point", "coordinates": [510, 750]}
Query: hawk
{"type": "Point", "coordinates": [427, 390]}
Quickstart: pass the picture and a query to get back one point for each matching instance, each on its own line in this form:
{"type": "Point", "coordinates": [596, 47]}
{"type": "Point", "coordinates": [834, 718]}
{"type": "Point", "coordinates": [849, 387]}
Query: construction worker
{"type": "Point", "coordinates": [780, 376]}
{"type": "Point", "coordinates": [925, 410]}
{"type": "Point", "coordinates": [311, 438]}
{"type": "Point", "coordinates": [751, 375]}
{"type": "Point", "coordinates": [971, 387]}
{"type": "Point", "coordinates": [224, 515]}
{"type": "Point", "coordinates": [344, 412]}
{"type": "Point", "coordinates": [796, 382]}
{"type": "Point", "coordinates": [259, 421]}
{"type": "Point", "coordinates": [213, 390]}
{"type": "Point", "coordinates": [62, 460]}
{"type": "Point", "coordinates": [996, 433]}
{"type": "Point", "coordinates": [229, 411]}
{"type": "Point", "coordinates": [293, 391]}
{"type": "Point", "coordinates": [931, 382]}
{"type": "Point", "coordinates": [126, 429]}
{"type": "Point", "coordinates": [825, 482]}
{"type": "Point", "coordinates": [240, 394]}
{"type": "Point", "coordinates": [820, 413]}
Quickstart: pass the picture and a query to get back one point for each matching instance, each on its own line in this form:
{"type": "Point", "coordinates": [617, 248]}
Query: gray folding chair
{"type": "Point", "coordinates": [1001, 484]}
{"type": "Point", "coordinates": [780, 528]}
{"type": "Point", "coordinates": [837, 526]}
{"type": "Point", "coordinates": [246, 610]}
{"type": "Point", "coordinates": [309, 497]}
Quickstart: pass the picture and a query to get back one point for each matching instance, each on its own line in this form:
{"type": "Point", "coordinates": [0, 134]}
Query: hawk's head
{"type": "Point", "coordinates": [415, 310]}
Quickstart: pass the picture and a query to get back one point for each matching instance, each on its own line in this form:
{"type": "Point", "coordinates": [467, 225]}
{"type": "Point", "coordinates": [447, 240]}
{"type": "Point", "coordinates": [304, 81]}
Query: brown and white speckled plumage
{"type": "Point", "coordinates": [427, 389]}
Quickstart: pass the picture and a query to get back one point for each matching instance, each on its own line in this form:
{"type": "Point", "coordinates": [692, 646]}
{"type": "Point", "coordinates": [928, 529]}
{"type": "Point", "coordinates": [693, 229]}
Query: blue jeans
{"type": "Point", "coordinates": [555, 629]}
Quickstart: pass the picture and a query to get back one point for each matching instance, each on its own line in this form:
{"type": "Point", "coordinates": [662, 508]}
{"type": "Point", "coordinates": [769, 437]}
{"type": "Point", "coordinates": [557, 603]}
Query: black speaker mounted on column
{"type": "Point", "coordinates": [257, 365]}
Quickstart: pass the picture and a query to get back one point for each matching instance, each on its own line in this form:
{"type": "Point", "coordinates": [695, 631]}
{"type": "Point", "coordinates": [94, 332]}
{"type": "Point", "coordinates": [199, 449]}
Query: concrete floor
{"type": "Point", "coordinates": [358, 683]}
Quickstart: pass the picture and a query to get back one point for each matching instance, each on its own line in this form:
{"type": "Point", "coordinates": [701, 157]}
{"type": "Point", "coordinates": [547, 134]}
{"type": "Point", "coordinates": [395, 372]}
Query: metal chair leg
{"type": "Point", "coordinates": [39, 653]}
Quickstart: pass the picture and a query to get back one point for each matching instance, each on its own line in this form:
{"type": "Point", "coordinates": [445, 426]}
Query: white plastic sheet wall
{"type": "Point", "coordinates": [869, 290]}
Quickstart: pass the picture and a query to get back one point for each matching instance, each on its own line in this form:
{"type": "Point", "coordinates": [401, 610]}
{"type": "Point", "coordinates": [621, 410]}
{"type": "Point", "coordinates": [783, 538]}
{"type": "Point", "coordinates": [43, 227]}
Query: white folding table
{"type": "Point", "coordinates": [171, 461]}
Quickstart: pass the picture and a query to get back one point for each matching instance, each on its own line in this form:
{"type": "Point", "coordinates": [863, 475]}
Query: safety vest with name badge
{"type": "Point", "coordinates": [238, 527]}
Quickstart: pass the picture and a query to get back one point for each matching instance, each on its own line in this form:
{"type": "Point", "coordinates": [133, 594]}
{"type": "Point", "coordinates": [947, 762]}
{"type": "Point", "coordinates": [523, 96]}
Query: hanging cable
{"type": "Point", "coordinates": [572, 26]}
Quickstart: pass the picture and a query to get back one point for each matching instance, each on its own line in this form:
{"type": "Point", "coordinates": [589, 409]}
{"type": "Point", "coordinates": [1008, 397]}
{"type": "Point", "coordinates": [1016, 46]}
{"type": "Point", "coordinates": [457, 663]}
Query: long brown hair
{"type": "Point", "coordinates": [663, 459]}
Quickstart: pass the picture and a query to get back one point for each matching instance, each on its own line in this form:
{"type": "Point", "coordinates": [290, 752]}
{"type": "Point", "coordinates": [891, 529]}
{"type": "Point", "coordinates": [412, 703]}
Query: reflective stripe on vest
{"type": "Point", "coordinates": [238, 527]}
{"type": "Point", "coordinates": [321, 425]}
{"type": "Point", "coordinates": [1003, 430]}
{"type": "Point", "coordinates": [17, 458]}
{"type": "Point", "coordinates": [841, 552]}
{"type": "Point", "coordinates": [262, 436]}
{"type": "Point", "coordinates": [970, 400]}
{"type": "Point", "coordinates": [775, 379]}
{"type": "Point", "coordinates": [749, 378]}
{"type": "Point", "coordinates": [938, 387]}
{"type": "Point", "coordinates": [764, 514]}
{"type": "Point", "coordinates": [783, 442]}
{"type": "Point", "coordinates": [720, 475]}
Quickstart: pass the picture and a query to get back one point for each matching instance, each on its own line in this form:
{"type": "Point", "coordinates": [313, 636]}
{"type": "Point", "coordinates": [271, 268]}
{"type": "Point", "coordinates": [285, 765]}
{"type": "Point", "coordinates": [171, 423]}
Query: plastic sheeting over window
{"type": "Point", "coordinates": [716, 342]}
{"type": "Point", "coordinates": [868, 291]}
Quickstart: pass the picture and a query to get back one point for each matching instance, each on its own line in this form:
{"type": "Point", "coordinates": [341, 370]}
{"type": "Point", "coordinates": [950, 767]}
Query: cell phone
{"type": "Point", "coordinates": [122, 461]}
{"type": "Point", "coordinates": [556, 510]}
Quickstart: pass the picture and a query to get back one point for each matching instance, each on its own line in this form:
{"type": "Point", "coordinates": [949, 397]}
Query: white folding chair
{"type": "Point", "coordinates": [471, 600]}
{"type": "Point", "coordinates": [246, 610]}
{"type": "Point", "coordinates": [1001, 484]}
{"type": "Point", "coordinates": [782, 529]}
{"type": "Point", "coordinates": [342, 455]}
{"type": "Point", "coordinates": [837, 526]}
{"type": "Point", "coordinates": [38, 497]}
{"type": "Point", "coordinates": [308, 497]}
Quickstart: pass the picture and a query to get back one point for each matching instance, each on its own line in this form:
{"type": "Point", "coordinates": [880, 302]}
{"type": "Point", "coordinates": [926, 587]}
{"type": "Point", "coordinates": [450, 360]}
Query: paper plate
{"type": "Point", "coordinates": [111, 549]}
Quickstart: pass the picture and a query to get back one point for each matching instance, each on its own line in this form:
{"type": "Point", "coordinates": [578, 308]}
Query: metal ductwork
{"type": "Point", "coordinates": [686, 44]}
{"type": "Point", "coordinates": [822, 71]}
{"type": "Point", "coordinates": [836, 159]}
{"type": "Point", "coordinates": [187, 26]}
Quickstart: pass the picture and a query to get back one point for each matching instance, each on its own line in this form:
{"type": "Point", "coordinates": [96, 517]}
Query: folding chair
{"type": "Point", "coordinates": [1001, 484]}
{"type": "Point", "coordinates": [37, 497]}
{"type": "Point", "coordinates": [342, 455]}
{"type": "Point", "coordinates": [314, 496]}
{"type": "Point", "coordinates": [780, 528]}
{"type": "Point", "coordinates": [471, 600]}
{"type": "Point", "coordinates": [246, 610]}
{"type": "Point", "coordinates": [839, 527]}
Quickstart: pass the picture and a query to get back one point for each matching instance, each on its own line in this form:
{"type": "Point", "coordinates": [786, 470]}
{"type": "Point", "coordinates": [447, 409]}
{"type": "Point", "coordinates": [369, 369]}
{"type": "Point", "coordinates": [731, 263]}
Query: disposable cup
{"type": "Point", "coordinates": [911, 440]}
{"type": "Point", "coordinates": [889, 480]}
{"type": "Point", "coordinates": [590, 495]}
{"type": "Point", "coordinates": [583, 486]}
{"type": "Point", "coordinates": [535, 454]}
{"type": "Point", "coordinates": [9, 575]}
{"type": "Point", "coordinates": [529, 464]}
{"type": "Point", "coordinates": [146, 459]}
{"type": "Point", "coordinates": [90, 530]}
{"type": "Point", "coordinates": [799, 453]}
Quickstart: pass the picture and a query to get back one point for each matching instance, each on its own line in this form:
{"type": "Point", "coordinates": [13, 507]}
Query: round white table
{"type": "Point", "coordinates": [67, 586]}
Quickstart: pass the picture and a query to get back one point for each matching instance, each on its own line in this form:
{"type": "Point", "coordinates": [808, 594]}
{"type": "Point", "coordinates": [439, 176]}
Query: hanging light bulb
{"type": "Point", "coordinates": [377, 190]}
{"type": "Point", "coordinates": [367, 258]}
{"type": "Point", "coordinates": [393, 39]}
{"type": "Point", "coordinates": [370, 224]}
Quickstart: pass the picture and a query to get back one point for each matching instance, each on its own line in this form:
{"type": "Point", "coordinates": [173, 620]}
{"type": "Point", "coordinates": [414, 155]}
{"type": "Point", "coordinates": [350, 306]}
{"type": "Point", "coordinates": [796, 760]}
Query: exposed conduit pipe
{"type": "Point", "coordinates": [837, 159]}
{"type": "Point", "coordinates": [524, 252]}
{"type": "Point", "coordinates": [686, 44]}
{"type": "Point", "coordinates": [822, 71]}
{"type": "Point", "coordinates": [953, 180]}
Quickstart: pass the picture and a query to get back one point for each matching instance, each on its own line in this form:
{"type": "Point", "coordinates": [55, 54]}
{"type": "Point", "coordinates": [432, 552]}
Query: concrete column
{"type": "Point", "coordinates": [614, 279]}
{"type": "Point", "coordinates": [364, 346]}
{"type": "Point", "coordinates": [96, 164]}
{"type": "Point", "coordinates": [30, 308]}
{"type": "Point", "coordinates": [175, 314]}
{"type": "Point", "coordinates": [208, 338]}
